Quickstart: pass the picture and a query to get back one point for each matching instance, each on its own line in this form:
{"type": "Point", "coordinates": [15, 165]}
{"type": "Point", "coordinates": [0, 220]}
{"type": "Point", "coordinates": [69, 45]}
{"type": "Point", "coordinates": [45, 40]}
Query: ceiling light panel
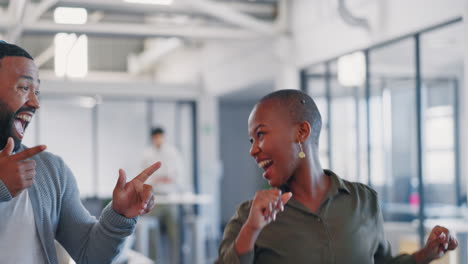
{"type": "Point", "coordinates": [68, 15]}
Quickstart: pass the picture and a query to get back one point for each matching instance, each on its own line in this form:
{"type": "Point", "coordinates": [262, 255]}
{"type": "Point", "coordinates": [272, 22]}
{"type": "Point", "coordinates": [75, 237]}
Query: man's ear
{"type": "Point", "coordinates": [303, 131]}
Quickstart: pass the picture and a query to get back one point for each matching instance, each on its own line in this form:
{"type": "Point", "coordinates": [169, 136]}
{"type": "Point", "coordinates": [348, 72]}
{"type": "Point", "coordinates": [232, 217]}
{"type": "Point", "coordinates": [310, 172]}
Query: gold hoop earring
{"type": "Point", "coordinates": [301, 154]}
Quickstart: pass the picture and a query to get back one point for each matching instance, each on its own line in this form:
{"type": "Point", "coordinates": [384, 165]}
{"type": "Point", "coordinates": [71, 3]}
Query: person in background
{"type": "Point", "coordinates": [39, 199]}
{"type": "Point", "coordinates": [169, 179]}
{"type": "Point", "coordinates": [310, 215]}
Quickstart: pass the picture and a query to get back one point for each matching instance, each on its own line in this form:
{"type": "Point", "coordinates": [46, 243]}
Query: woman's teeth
{"type": "Point", "coordinates": [265, 163]}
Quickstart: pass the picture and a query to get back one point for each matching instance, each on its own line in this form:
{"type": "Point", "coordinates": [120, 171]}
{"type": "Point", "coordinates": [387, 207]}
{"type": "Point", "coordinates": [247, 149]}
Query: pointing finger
{"type": "Point", "coordinates": [29, 152]}
{"type": "Point", "coordinates": [122, 180]}
{"type": "Point", "coordinates": [8, 149]}
{"type": "Point", "coordinates": [144, 175]}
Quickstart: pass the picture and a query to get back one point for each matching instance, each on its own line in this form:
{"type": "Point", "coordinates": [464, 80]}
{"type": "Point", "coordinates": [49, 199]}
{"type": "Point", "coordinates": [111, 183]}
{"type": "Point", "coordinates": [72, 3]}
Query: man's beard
{"type": "Point", "coordinates": [7, 119]}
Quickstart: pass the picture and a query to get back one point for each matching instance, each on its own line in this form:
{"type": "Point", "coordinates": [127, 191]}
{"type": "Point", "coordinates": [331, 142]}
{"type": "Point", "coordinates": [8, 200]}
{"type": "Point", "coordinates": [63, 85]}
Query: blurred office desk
{"type": "Point", "coordinates": [404, 212]}
{"type": "Point", "coordinates": [187, 222]}
{"type": "Point", "coordinates": [183, 199]}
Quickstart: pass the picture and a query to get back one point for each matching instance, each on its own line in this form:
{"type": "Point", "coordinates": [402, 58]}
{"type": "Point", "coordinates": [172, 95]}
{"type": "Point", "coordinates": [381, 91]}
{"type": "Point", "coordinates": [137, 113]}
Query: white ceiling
{"type": "Point", "coordinates": [116, 28]}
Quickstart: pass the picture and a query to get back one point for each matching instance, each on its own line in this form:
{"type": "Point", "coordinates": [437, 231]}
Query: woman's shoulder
{"type": "Point", "coordinates": [242, 212]}
{"type": "Point", "coordinates": [354, 188]}
{"type": "Point", "coordinates": [361, 190]}
{"type": "Point", "coordinates": [244, 207]}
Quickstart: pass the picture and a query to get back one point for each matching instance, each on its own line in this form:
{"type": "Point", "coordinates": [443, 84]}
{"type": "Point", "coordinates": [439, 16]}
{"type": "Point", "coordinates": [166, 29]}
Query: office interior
{"type": "Point", "coordinates": [388, 77]}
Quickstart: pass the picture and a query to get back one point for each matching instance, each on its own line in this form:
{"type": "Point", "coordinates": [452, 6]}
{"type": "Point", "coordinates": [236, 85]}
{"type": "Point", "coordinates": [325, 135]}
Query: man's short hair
{"type": "Point", "coordinates": [7, 50]}
{"type": "Point", "coordinates": [300, 106]}
{"type": "Point", "coordinates": [157, 131]}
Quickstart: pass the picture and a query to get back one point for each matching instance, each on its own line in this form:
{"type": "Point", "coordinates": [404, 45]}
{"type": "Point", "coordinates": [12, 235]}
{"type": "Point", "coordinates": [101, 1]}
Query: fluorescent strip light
{"type": "Point", "coordinates": [77, 66]}
{"type": "Point", "coordinates": [71, 55]}
{"type": "Point", "coordinates": [150, 2]}
{"type": "Point", "coordinates": [68, 15]}
{"type": "Point", "coordinates": [63, 43]}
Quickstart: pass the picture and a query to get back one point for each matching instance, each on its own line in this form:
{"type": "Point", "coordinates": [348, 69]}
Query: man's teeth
{"type": "Point", "coordinates": [263, 164]}
{"type": "Point", "coordinates": [26, 118]}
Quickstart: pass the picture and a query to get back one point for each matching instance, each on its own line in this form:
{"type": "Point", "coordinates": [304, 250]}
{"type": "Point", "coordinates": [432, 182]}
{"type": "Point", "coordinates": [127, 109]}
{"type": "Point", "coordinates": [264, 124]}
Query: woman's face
{"type": "Point", "coordinates": [274, 144]}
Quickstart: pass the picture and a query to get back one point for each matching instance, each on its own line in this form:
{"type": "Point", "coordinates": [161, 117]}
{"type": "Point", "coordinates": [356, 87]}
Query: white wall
{"type": "Point", "coordinates": [320, 34]}
{"type": "Point", "coordinates": [182, 66]}
{"type": "Point", "coordinates": [226, 66]}
{"type": "Point", "coordinates": [233, 66]}
{"type": "Point", "coordinates": [210, 167]}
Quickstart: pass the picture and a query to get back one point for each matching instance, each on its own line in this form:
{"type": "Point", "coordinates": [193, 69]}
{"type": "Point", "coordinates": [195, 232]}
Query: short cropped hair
{"type": "Point", "coordinates": [157, 131]}
{"type": "Point", "coordinates": [7, 50]}
{"type": "Point", "coordinates": [300, 106]}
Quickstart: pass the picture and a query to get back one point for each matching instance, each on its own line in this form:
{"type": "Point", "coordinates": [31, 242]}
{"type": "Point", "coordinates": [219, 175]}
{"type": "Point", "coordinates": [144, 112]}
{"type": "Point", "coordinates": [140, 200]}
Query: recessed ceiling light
{"type": "Point", "coordinates": [150, 2]}
{"type": "Point", "coordinates": [352, 69]}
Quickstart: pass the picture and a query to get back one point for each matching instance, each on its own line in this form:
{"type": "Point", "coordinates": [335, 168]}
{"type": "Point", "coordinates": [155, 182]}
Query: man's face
{"type": "Point", "coordinates": [274, 148]}
{"type": "Point", "coordinates": [158, 140]}
{"type": "Point", "coordinates": [19, 88]}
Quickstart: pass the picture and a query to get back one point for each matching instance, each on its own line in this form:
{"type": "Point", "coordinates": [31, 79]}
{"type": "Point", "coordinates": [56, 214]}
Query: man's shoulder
{"type": "Point", "coordinates": [51, 172]}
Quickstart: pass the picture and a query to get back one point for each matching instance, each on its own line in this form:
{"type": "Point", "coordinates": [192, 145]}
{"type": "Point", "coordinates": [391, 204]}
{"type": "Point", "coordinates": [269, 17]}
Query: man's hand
{"type": "Point", "coordinates": [16, 172]}
{"type": "Point", "coordinates": [135, 197]}
{"type": "Point", "coordinates": [439, 242]}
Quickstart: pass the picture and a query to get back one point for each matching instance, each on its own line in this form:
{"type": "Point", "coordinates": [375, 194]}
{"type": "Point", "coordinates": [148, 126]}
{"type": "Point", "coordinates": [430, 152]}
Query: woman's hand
{"type": "Point", "coordinates": [266, 204]}
{"type": "Point", "coordinates": [438, 243]}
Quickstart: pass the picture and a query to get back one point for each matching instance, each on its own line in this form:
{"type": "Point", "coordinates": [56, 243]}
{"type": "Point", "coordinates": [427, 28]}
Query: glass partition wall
{"type": "Point", "coordinates": [391, 121]}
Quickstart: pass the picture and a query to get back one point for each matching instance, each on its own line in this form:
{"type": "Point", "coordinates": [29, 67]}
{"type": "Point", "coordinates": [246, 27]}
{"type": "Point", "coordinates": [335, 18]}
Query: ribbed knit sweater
{"type": "Point", "coordinates": [59, 214]}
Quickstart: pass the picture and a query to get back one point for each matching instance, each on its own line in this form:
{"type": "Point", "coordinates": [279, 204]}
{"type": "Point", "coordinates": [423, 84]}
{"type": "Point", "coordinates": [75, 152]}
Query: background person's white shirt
{"type": "Point", "coordinates": [19, 241]}
{"type": "Point", "coordinates": [172, 168]}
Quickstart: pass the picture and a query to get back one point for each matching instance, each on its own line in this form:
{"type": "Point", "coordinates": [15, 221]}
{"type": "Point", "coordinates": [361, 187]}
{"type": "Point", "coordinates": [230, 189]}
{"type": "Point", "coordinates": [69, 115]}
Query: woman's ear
{"type": "Point", "coordinates": [303, 131]}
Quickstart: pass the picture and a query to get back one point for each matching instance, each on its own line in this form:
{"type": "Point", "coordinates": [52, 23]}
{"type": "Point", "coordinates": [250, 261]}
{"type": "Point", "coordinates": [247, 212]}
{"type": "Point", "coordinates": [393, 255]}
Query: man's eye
{"type": "Point", "coordinates": [259, 134]}
{"type": "Point", "coordinates": [24, 88]}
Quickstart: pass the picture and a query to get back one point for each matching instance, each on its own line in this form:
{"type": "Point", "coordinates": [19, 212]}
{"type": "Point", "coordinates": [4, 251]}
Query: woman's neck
{"type": "Point", "coordinates": [310, 184]}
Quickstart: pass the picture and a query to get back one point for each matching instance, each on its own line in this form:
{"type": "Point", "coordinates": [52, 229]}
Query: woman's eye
{"type": "Point", "coordinates": [24, 88]}
{"type": "Point", "coordinates": [259, 134]}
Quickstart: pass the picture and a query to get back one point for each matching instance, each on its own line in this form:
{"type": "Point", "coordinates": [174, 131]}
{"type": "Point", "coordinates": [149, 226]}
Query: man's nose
{"type": "Point", "coordinates": [33, 101]}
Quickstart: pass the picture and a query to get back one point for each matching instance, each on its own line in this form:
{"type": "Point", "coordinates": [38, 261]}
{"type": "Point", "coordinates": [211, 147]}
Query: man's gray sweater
{"type": "Point", "coordinates": [59, 214]}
